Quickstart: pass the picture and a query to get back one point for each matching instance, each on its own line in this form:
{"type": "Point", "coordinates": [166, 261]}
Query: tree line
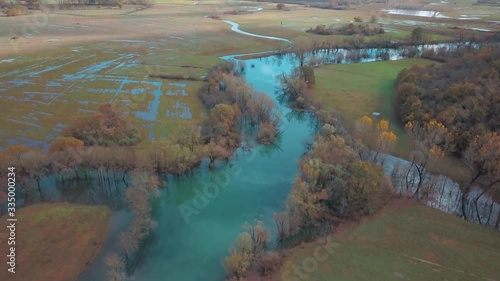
{"type": "Point", "coordinates": [339, 179]}
{"type": "Point", "coordinates": [99, 145]}
{"type": "Point", "coordinates": [336, 182]}
{"type": "Point", "coordinates": [236, 108]}
{"type": "Point", "coordinates": [462, 93]}
{"type": "Point", "coordinates": [454, 108]}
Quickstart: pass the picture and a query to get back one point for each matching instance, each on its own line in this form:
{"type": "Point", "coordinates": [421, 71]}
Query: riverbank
{"type": "Point", "coordinates": [355, 90]}
{"type": "Point", "coordinates": [55, 241]}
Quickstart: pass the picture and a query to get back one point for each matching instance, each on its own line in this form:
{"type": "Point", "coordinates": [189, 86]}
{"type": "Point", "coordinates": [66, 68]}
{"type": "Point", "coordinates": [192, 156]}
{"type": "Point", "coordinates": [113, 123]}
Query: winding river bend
{"type": "Point", "coordinates": [200, 214]}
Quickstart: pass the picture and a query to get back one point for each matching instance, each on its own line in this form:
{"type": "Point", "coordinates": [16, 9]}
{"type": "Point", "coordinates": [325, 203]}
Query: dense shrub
{"type": "Point", "coordinates": [333, 181]}
{"type": "Point", "coordinates": [16, 11]}
{"type": "Point", "coordinates": [367, 188]}
{"type": "Point", "coordinates": [105, 127]}
{"type": "Point", "coordinates": [349, 29]}
{"type": "Point", "coordinates": [308, 76]}
{"type": "Point", "coordinates": [250, 108]}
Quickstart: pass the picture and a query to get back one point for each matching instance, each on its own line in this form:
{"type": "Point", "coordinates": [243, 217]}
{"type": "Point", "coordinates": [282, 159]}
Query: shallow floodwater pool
{"type": "Point", "coordinates": [416, 13]}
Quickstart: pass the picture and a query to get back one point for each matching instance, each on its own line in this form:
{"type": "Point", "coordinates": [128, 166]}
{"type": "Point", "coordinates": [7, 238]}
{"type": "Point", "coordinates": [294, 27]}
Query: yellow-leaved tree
{"type": "Point", "coordinates": [429, 145]}
{"type": "Point", "coordinates": [378, 137]}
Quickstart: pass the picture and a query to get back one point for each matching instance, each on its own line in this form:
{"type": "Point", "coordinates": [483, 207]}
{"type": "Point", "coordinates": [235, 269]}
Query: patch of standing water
{"type": "Point", "coordinates": [416, 13]}
{"type": "Point", "coordinates": [235, 28]}
{"type": "Point", "coordinates": [445, 194]}
{"type": "Point", "coordinates": [7, 60]}
{"type": "Point", "coordinates": [179, 110]}
{"type": "Point", "coordinates": [479, 29]}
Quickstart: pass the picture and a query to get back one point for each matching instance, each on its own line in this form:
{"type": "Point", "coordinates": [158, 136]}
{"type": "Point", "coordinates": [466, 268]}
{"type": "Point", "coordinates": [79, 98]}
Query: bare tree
{"type": "Point", "coordinates": [482, 158]}
{"type": "Point", "coordinates": [429, 140]}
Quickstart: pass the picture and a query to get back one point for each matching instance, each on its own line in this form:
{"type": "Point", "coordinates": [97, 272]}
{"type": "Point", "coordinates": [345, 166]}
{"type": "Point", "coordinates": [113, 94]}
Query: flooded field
{"type": "Point", "coordinates": [61, 88]}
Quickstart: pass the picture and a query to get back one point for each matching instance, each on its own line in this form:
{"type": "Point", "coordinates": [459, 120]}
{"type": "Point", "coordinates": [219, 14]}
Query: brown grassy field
{"type": "Point", "coordinates": [78, 62]}
{"type": "Point", "coordinates": [62, 65]}
{"type": "Point", "coordinates": [54, 241]}
{"type": "Point", "coordinates": [58, 66]}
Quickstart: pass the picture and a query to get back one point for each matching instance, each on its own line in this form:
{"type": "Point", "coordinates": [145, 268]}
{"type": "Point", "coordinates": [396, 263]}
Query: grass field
{"type": "Point", "coordinates": [360, 89]}
{"type": "Point", "coordinates": [59, 66]}
{"type": "Point", "coordinates": [54, 241]}
{"type": "Point", "coordinates": [407, 241]}
{"type": "Point", "coordinates": [77, 64]}
{"type": "Point", "coordinates": [355, 90]}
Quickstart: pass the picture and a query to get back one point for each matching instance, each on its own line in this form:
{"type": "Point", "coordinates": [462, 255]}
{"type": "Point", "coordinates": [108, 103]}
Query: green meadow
{"type": "Point", "coordinates": [407, 241]}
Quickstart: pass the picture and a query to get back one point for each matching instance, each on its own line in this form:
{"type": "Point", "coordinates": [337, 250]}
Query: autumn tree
{"type": "Point", "coordinates": [215, 151]}
{"type": "Point", "coordinates": [239, 260]}
{"type": "Point", "coordinates": [301, 46]}
{"type": "Point", "coordinates": [222, 117]}
{"type": "Point", "coordinates": [295, 89]}
{"type": "Point", "coordinates": [305, 202]}
{"type": "Point", "coordinates": [378, 137]}
{"type": "Point", "coordinates": [65, 152]}
{"type": "Point", "coordinates": [364, 131]}
{"type": "Point", "coordinates": [259, 235]}
{"type": "Point", "coordinates": [429, 139]}
{"type": "Point", "coordinates": [461, 93]}
{"type": "Point", "coordinates": [281, 221]}
{"type": "Point", "coordinates": [366, 188]}
{"type": "Point", "coordinates": [188, 136]}
{"type": "Point", "coordinates": [62, 144]}
{"type": "Point", "coordinates": [17, 150]}
{"type": "Point", "coordinates": [144, 187]}
{"type": "Point", "coordinates": [482, 158]}
{"type": "Point", "coordinates": [33, 166]}
{"type": "Point", "coordinates": [236, 107]}
{"type": "Point", "coordinates": [115, 267]}
{"type": "Point", "coordinates": [105, 127]}
{"type": "Point", "coordinates": [267, 132]}
{"type": "Point", "coordinates": [386, 139]}
{"type": "Point", "coordinates": [417, 36]}
{"type": "Point", "coordinates": [175, 157]}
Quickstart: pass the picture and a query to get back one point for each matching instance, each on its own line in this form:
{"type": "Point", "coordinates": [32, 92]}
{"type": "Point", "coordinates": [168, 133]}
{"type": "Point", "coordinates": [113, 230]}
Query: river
{"type": "Point", "coordinates": [197, 222]}
{"type": "Point", "coordinates": [200, 215]}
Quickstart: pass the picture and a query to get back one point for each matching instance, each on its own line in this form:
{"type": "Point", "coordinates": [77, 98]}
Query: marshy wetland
{"type": "Point", "coordinates": [152, 62]}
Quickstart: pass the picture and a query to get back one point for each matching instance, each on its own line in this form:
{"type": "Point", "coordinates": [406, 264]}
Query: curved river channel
{"type": "Point", "coordinates": [200, 214]}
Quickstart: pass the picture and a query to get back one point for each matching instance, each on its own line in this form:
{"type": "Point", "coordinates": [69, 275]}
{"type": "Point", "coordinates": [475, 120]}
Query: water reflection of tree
{"type": "Point", "coordinates": [90, 191]}
{"type": "Point", "coordinates": [270, 149]}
